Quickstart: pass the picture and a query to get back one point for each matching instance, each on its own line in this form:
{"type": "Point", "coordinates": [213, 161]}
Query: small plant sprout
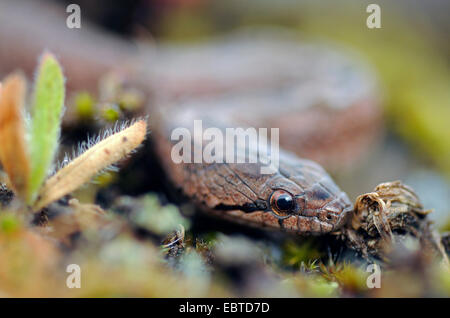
{"type": "Point", "coordinates": [28, 159]}
{"type": "Point", "coordinates": [46, 112]}
{"type": "Point", "coordinates": [98, 157]}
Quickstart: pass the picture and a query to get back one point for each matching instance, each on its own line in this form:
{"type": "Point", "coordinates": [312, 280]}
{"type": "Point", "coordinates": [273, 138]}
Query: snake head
{"type": "Point", "coordinates": [314, 211]}
{"type": "Point", "coordinates": [304, 199]}
{"type": "Point", "coordinates": [298, 197]}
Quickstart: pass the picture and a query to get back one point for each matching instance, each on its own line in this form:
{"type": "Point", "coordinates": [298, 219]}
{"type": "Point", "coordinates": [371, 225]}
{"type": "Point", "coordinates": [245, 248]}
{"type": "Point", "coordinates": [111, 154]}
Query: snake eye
{"type": "Point", "coordinates": [281, 202]}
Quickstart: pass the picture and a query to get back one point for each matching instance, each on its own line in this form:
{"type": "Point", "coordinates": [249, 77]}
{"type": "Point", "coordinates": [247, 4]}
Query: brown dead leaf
{"type": "Point", "coordinates": [13, 153]}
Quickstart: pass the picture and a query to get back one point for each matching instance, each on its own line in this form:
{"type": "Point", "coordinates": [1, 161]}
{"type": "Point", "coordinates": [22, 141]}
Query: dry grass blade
{"type": "Point", "coordinates": [13, 152]}
{"type": "Point", "coordinates": [88, 164]}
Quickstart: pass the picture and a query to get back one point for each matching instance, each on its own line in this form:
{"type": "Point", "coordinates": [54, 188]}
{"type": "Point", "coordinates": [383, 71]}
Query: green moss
{"type": "Point", "coordinates": [320, 287]}
{"type": "Point", "coordinates": [111, 114]}
{"type": "Point", "coordinates": [351, 279]}
{"type": "Point", "coordinates": [85, 105]}
{"type": "Point", "coordinates": [300, 254]}
{"type": "Point", "coordinates": [9, 223]}
{"type": "Point", "coordinates": [442, 280]}
{"type": "Point", "coordinates": [312, 286]}
{"type": "Point", "coordinates": [158, 219]}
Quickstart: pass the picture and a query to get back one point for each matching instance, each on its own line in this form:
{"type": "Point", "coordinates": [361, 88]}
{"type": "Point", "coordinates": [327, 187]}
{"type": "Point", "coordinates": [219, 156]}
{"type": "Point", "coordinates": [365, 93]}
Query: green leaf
{"type": "Point", "coordinates": [46, 112]}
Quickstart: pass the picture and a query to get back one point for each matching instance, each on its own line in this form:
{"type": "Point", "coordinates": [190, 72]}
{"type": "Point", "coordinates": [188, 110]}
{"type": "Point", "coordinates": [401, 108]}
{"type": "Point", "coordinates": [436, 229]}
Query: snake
{"type": "Point", "coordinates": [321, 97]}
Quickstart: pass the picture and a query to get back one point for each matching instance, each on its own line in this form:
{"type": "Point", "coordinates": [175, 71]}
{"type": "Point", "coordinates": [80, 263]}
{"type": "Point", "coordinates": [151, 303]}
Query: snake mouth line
{"type": "Point", "coordinates": [344, 217]}
{"type": "Point", "coordinates": [296, 223]}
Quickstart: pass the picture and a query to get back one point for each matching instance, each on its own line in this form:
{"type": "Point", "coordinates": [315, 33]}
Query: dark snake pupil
{"type": "Point", "coordinates": [284, 202]}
